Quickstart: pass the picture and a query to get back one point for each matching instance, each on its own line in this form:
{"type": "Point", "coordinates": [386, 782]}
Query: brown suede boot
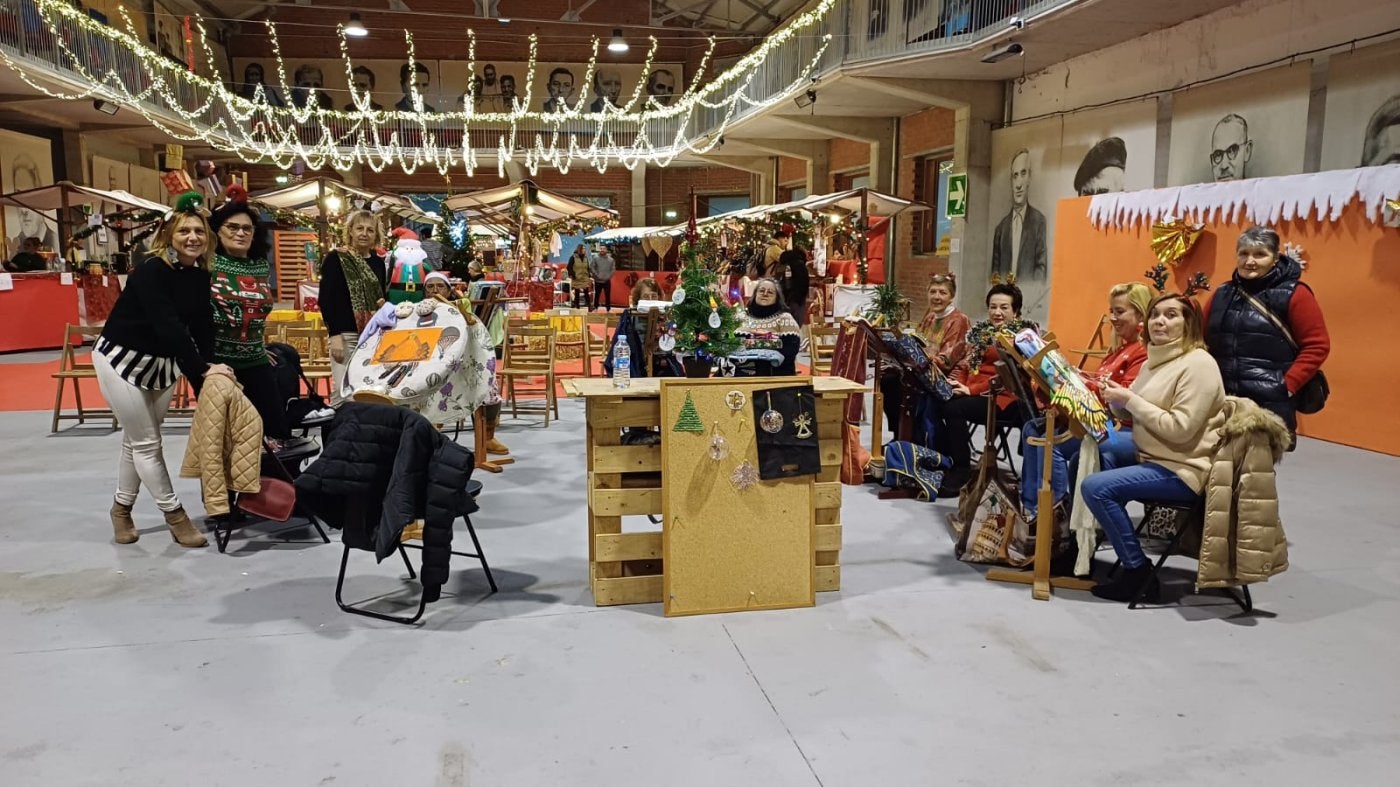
{"type": "Point", "coordinates": [123, 526]}
{"type": "Point", "coordinates": [494, 446]}
{"type": "Point", "coordinates": [182, 530]}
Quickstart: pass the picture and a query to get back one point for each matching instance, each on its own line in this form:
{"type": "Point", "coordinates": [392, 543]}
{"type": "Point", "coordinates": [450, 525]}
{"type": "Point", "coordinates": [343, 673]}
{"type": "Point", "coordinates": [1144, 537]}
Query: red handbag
{"type": "Point", "coordinates": [274, 501]}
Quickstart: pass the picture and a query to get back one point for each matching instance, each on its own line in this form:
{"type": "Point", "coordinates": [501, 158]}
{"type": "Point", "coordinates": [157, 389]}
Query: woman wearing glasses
{"type": "Point", "coordinates": [944, 331]}
{"type": "Point", "coordinates": [242, 298]}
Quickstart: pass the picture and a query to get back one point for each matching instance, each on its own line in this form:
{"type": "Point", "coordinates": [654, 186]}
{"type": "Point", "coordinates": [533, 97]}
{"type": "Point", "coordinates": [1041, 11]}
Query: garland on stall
{"type": "Point", "coordinates": [124, 221]}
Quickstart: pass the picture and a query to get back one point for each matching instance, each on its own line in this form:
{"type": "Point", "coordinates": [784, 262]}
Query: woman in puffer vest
{"type": "Point", "coordinates": [1256, 359]}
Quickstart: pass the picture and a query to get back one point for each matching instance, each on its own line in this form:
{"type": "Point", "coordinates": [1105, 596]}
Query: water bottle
{"type": "Point", "coordinates": [622, 362]}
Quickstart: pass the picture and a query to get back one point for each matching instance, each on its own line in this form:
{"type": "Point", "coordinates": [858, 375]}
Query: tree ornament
{"type": "Point", "coordinates": [715, 320]}
{"type": "Point", "coordinates": [719, 447]}
{"type": "Point", "coordinates": [666, 343]}
{"type": "Point", "coordinates": [735, 400]}
{"type": "Point", "coordinates": [744, 476]}
{"type": "Point", "coordinates": [802, 426]}
{"type": "Point", "coordinates": [678, 297]}
{"type": "Point", "coordinates": [689, 420]}
{"type": "Point", "coordinates": [771, 420]}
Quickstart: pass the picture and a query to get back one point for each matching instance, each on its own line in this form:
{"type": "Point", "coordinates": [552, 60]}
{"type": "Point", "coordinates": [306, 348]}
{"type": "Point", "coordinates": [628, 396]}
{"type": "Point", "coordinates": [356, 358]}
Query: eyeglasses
{"type": "Point", "coordinates": [239, 229]}
{"type": "Point", "coordinates": [1231, 152]}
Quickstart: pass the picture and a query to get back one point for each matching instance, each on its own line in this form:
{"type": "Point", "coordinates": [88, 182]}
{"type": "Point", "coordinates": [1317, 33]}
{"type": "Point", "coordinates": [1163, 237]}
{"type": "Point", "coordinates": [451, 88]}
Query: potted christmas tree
{"type": "Point", "coordinates": [702, 324]}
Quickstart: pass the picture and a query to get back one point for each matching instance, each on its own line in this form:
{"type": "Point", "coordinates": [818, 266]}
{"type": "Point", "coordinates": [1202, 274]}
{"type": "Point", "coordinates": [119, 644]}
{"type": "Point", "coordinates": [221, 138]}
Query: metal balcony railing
{"type": "Point", "coordinates": [860, 31]}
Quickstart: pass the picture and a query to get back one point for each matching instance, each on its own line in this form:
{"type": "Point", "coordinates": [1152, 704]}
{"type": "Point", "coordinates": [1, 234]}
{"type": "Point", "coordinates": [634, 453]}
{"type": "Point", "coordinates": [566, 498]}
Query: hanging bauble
{"type": "Point", "coordinates": [678, 297]}
{"type": "Point", "coordinates": [666, 343]}
{"type": "Point", "coordinates": [714, 320]}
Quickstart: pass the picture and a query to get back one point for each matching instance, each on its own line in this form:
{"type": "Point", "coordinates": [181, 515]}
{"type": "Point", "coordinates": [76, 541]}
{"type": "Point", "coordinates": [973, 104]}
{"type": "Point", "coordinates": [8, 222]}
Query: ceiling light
{"type": "Point", "coordinates": [283, 180]}
{"type": "Point", "coordinates": [670, 214]}
{"type": "Point", "coordinates": [1003, 52]}
{"type": "Point", "coordinates": [618, 44]}
{"type": "Point", "coordinates": [806, 99]}
{"type": "Point", "coordinates": [105, 107]}
{"type": "Point", "coordinates": [355, 28]}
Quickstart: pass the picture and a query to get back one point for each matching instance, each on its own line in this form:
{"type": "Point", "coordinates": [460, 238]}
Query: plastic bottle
{"type": "Point", "coordinates": [622, 362]}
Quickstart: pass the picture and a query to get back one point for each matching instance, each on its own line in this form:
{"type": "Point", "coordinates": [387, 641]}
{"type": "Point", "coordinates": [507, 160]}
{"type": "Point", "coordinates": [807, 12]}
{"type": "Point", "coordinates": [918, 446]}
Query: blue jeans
{"type": "Point", "coordinates": [1117, 451]}
{"type": "Point", "coordinates": [1106, 493]}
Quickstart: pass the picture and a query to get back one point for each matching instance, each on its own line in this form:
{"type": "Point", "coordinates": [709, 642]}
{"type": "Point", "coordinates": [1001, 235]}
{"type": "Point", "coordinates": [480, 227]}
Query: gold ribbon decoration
{"type": "Point", "coordinates": [1173, 239]}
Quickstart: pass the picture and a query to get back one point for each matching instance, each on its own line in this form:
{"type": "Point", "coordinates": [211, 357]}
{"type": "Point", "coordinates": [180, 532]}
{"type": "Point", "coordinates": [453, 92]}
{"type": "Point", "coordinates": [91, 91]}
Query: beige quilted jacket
{"type": "Point", "coordinates": [1243, 539]}
{"type": "Point", "coordinates": [225, 448]}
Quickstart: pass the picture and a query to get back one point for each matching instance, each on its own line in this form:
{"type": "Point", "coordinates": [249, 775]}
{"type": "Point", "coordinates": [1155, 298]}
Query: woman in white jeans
{"type": "Point", "coordinates": [353, 279]}
{"type": "Point", "coordinates": [161, 326]}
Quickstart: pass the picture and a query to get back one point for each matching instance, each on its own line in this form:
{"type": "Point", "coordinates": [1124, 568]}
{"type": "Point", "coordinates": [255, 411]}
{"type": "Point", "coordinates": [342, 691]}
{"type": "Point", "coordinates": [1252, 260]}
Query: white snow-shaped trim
{"type": "Point", "coordinates": [1320, 195]}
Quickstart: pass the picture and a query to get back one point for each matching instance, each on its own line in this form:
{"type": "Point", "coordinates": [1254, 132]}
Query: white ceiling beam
{"type": "Point", "coordinates": [868, 130]}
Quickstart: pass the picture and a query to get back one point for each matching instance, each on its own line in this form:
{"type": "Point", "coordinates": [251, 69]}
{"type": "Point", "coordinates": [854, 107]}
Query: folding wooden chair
{"type": "Point", "coordinates": [595, 345]}
{"type": "Point", "coordinates": [71, 369]}
{"type": "Point", "coordinates": [1098, 345]}
{"type": "Point", "coordinates": [821, 346]}
{"type": "Point", "coordinates": [313, 345]}
{"type": "Point", "coordinates": [526, 360]}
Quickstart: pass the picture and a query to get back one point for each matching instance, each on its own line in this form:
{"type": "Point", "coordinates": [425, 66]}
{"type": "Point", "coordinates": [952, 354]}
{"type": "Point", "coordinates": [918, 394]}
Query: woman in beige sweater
{"type": "Point", "coordinates": [1176, 405]}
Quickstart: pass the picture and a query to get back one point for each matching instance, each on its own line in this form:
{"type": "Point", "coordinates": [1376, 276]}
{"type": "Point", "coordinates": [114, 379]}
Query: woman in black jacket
{"type": "Point", "coordinates": [353, 282]}
{"type": "Point", "coordinates": [161, 327]}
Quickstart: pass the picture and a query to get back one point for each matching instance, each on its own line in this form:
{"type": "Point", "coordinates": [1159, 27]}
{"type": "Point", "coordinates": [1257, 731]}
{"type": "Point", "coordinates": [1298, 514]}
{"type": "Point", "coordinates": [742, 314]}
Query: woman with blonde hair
{"type": "Point", "coordinates": [354, 279]}
{"type": "Point", "coordinates": [1177, 405]}
{"type": "Point", "coordinates": [1127, 312]}
{"type": "Point", "coordinates": [161, 327]}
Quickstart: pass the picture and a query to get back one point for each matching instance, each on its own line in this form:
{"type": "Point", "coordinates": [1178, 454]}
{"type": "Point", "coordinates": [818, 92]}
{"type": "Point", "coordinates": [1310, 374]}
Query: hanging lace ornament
{"type": "Point", "coordinates": [666, 343]}
{"type": "Point", "coordinates": [744, 476]}
{"type": "Point", "coordinates": [678, 297]}
{"type": "Point", "coordinates": [714, 321]}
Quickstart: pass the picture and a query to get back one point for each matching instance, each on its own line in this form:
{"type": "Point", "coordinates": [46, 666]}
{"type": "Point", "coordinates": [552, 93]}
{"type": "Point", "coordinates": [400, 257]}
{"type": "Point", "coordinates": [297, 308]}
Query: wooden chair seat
{"type": "Point", "coordinates": [524, 362]}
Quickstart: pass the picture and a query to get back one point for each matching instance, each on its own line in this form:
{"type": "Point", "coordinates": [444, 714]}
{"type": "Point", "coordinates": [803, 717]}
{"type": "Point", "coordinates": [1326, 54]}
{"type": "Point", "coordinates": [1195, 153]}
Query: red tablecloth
{"type": "Point", "coordinates": [34, 313]}
{"type": "Point", "coordinates": [847, 268]}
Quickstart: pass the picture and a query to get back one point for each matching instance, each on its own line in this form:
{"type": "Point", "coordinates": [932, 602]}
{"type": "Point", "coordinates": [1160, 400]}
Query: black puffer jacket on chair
{"type": "Point", "coordinates": [382, 468]}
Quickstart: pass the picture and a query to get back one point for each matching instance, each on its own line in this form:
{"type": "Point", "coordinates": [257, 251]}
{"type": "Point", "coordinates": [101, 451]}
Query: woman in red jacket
{"type": "Point", "coordinates": [1127, 311]}
{"type": "Point", "coordinates": [972, 379]}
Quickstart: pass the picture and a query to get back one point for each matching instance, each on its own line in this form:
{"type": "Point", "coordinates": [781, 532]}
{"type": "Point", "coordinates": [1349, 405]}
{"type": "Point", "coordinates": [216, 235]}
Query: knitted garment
{"type": "Point", "coordinates": [241, 299]}
{"type": "Point", "coordinates": [365, 290]}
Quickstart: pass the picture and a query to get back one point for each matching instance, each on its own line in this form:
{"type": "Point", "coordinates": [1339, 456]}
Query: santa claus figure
{"type": "Point", "coordinates": [409, 266]}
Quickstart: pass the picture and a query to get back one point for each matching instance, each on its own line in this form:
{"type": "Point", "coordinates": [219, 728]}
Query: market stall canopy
{"type": "Point", "coordinates": [632, 233]}
{"type": "Point", "coordinates": [67, 194]}
{"type": "Point", "coordinates": [305, 198]}
{"type": "Point", "coordinates": [875, 203]}
{"type": "Point", "coordinates": [496, 205]}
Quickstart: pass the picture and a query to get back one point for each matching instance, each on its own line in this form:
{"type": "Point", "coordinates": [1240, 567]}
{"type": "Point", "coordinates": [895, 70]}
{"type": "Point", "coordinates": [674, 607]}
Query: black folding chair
{"type": "Point", "coordinates": [1188, 515]}
{"type": "Point", "coordinates": [473, 489]}
{"type": "Point", "coordinates": [284, 466]}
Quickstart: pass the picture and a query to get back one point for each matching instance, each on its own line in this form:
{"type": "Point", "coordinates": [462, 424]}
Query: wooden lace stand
{"type": "Point", "coordinates": [1038, 576]}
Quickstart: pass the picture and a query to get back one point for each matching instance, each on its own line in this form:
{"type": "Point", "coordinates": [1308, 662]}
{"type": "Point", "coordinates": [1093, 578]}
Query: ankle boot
{"type": "Point", "coordinates": [123, 526]}
{"type": "Point", "coordinates": [1127, 585]}
{"type": "Point", "coordinates": [494, 446]}
{"type": "Point", "coordinates": [182, 530]}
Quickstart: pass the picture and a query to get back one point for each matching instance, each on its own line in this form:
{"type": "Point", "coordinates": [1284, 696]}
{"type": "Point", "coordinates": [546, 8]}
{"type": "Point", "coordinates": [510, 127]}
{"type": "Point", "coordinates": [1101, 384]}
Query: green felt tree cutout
{"type": "Point", "coordinates": [690, 418]}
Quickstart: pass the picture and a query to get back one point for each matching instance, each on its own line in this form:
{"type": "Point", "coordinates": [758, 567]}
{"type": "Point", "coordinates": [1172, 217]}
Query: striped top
{"type": "Point", "coordinates": [145, 371]}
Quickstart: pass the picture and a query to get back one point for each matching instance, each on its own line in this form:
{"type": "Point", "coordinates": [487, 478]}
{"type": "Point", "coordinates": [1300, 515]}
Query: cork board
{"type": "Point", "coordinates": [727, 550]}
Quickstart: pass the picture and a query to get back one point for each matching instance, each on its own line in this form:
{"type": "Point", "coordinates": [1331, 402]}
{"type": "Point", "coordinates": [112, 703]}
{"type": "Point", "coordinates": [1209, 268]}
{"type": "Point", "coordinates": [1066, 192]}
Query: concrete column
{"type": "Point", "coordinates": [639, 196]}
{"type": "Point", "coordinates": [971, 249]}
{"type": "Point", "coordinates": [819, 171]}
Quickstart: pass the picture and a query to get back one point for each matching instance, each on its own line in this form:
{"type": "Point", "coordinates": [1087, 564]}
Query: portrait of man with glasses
{"type": "Point", "coordinates": [1230, 148]}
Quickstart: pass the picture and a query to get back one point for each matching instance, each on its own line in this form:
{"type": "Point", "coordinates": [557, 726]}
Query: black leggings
{"type": "Point", "coordinates": [954, 418]}
{"type": "Point", "coordinates": [260, 386]}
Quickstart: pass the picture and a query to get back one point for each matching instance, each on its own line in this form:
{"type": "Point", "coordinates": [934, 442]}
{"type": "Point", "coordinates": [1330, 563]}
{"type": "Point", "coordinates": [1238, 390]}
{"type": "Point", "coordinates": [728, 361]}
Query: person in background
{"type": "Point", "coordinates": [1127, 311]}
{"type": "Point", "coordinates": [242, 297]}
{"type": "Point", "coordinates": [475, 271]}
{"type": "Point", "coordinates": [161, 327]}
{"type": "Point", "coordinates": [1177, 407]}
{"type": "Point", "coordinates": [438, 285]}
{"type": "Point", "coordinates": [580, 285]}
{"type": "Point", "coordinates": [354, 279]}
{"type": "Point", "coordinates": [972, 380]}
{"type": "Point", "coordinates": [1250, 319]}
{"type": "Point", "coordinates": [432, 247]}
{"type": "Point", "coordinates": [645, 290]}
{"type": "Point", "coordinates": [797, 283]}
{"type": "Point", "coordinates": [766, 318]}
{"type": "Point", "coordinates": [28, 259]}
{"type": "Point", "coordinates": [601, 267]}
{"type": "Point", "coordinates": [944, 332]}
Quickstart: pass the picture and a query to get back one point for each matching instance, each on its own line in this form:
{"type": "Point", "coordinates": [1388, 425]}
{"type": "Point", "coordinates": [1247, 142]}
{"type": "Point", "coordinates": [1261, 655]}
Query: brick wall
{"type": "Point", "coordinates": [847, 154]}
{"type": "Point", "coordinates": [669, 189]}
{"type": "Point", "coordinates": [791, 170]}
{"type": "Point", "coordinates": [922, 132]}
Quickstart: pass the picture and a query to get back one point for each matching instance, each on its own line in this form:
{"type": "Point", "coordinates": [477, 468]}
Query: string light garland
{"type": "Point", "coordinates": [641, 131]}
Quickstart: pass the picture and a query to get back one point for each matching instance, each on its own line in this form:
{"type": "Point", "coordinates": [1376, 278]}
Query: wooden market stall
{"type": "Point", "coordinates": [713, 565]}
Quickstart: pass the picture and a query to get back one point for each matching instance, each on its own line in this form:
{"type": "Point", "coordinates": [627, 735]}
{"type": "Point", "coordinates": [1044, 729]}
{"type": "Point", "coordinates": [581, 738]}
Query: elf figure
{"type": "Point", "coordinates": [408, 267]}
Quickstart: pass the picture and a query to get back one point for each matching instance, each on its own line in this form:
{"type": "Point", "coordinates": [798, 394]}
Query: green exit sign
{"type": "Point", "coordinates": [957, 196]}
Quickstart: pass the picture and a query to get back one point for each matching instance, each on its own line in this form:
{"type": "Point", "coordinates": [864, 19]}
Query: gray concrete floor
{"type": "Point", "coordinates": [151, 665]}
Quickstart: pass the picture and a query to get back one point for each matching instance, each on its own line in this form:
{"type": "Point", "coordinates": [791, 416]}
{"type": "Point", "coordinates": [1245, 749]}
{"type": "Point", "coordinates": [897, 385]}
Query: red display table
{"type": "Point", "coordinates": [837, 269]}
{"type": "Point", "coordinates": [34, 313]}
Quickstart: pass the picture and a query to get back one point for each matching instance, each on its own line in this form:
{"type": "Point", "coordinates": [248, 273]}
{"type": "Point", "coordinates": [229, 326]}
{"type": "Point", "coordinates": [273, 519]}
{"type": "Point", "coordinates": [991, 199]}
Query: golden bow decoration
{"type": "Point", "coordinates": [1393, 204]}
{"type": "Point", "coordinates": [1173, 239]}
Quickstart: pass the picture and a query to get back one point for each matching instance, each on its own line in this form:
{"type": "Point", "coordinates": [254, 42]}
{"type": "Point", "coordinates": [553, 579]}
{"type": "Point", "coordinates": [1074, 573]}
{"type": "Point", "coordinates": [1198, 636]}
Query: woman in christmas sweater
{"type": "Point", "coordinates": [944, 331]}
{"type": "Point", "coordinates": [972, 380]}
{"type": "Point", "coordinates": [242, 298]}
{"type": "Point", "coordinates": [1127, 311]}
{"type": "Point", "coordinates": [766, 319]}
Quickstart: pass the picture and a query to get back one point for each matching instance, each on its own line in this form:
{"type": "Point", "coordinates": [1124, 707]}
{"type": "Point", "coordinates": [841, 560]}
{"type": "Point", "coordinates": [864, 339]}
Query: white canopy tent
{"type": "Point", "coordinates": [65, 195]}
{"type": "Point", "coordinates": [308, 197]}
{"type": "Point", "coordinates": [632, 233]}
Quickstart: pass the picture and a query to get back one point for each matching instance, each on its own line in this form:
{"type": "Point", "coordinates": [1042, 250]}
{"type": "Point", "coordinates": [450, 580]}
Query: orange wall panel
{"type": "Point", "coordinates": [1353, 267]}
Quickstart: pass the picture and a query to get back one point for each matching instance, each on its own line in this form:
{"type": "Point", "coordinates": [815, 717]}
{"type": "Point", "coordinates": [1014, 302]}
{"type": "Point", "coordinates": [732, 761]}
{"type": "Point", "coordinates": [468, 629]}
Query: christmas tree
{"type": "Point", "coordinates": [694, 331]}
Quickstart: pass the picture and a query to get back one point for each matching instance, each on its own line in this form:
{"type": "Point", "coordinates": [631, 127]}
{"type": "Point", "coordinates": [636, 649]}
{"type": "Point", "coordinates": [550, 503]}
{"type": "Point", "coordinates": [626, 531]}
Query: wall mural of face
{"type": "Point", "coordinates": [608, 85]}
{"type": "Point", "coordinates": [507, 88]}
{"type": "Point", "coordinates": [661, 86]}
{"type": "Point", "coordinates": [1230, 148]}
{"type": "Point", "coordinates": [1020, 179]}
